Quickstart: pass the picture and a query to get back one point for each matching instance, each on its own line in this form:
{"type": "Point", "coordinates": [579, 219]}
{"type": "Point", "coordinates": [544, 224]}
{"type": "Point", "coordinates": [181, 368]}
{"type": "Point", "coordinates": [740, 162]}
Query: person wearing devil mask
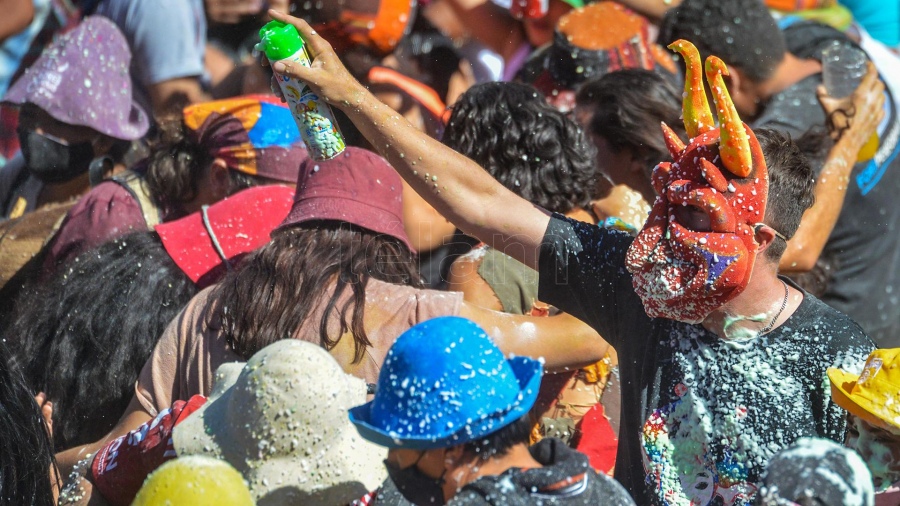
{"type": "Point", "coordinates": [723, 362]}
{"type": "Point", "coordinates": [76, 118]}
{"type": "Point", "coordinates": [773, 79]}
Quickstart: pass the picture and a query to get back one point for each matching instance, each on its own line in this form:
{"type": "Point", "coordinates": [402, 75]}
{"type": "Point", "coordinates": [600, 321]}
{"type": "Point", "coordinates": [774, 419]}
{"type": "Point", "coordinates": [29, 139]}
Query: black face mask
{"type": "Point", "coordinates": [416, 486]}
{"type": "Point", "coordinates": [52, 161]}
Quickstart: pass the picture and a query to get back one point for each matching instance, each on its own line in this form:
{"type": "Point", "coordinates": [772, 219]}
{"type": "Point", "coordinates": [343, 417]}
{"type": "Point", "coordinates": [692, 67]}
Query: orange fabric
{"type": "Point", "coordinates": [798, 5]}
{"type": "Point", "coordinates": [418, 91]}
{"type": "Point", "coordinates": [620, 26]}
{"type": "Point", "coordinates": [390, 23]}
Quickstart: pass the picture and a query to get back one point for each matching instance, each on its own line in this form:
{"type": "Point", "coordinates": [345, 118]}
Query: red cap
{"type": "Point", "coordinates": [204, 243]}
{"type": "Point", "coordinates": [357, 187]}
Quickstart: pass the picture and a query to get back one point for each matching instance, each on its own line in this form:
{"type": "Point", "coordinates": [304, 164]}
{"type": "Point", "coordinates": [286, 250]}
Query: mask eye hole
{"type": "Point", "coordinates": [693, 218]}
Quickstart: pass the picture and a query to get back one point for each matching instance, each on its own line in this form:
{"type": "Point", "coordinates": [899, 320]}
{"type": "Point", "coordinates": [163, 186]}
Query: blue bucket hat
{"type": "Point", "coordinates": [445, 383]}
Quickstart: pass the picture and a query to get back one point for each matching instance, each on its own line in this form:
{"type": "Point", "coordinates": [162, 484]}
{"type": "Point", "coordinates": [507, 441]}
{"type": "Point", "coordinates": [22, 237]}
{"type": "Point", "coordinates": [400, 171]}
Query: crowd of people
{"type": "Point", "coordinates": [573, 252]}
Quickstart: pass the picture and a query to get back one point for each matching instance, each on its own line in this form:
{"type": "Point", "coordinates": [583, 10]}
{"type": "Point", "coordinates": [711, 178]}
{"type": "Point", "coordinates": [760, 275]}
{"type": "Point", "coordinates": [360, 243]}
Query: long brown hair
{"type": "Point", "coordinates": [279, 286]}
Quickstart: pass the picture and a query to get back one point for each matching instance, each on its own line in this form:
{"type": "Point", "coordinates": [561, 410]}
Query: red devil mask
{"type": "Point", "coordinates": [682, 267]}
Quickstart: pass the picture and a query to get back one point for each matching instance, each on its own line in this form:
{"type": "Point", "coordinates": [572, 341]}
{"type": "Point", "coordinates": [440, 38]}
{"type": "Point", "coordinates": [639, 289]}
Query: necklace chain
{"type": "Point", "coordinates": [771, 325]}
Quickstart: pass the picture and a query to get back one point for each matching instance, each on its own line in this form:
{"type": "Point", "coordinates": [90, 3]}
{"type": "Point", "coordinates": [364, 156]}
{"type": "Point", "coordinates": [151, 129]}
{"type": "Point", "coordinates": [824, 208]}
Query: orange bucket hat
{"type": "Point", "coordinates": [873, 395]}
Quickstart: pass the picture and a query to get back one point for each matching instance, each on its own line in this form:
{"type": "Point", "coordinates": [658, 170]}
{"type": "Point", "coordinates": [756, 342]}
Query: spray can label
{"type": "Point", "coordinates": [314, 117]}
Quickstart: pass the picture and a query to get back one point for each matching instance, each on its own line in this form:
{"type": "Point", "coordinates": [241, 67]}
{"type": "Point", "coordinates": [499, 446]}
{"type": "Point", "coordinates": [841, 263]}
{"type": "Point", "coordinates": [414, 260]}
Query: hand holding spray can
{"type": "Point", "coordinates": [315, 120]}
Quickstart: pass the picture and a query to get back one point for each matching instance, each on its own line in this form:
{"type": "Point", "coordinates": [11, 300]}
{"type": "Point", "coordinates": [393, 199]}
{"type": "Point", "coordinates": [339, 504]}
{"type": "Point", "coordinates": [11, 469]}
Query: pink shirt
{"type": "Point", "coordinates": [187, 355]}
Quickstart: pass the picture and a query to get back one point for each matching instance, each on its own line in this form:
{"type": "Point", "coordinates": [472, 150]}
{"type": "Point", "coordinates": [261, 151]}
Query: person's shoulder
{"type": "Point", "coordinates": [819, 316]}
{"type": "Point", "coordinates": [493, 490]}
{"type": "Point", "coordinates": [470, 262]}
{"type": "Point", "coordinates": [422, 297]}
{"type": "Point", "coordinates": [835, 334]}
{"type": "Point", "coordinates": [198, 315]}
{"type": "Point", "coordinates": [608, 491]}
{"type": "Point", "coordinates": [586, 236]}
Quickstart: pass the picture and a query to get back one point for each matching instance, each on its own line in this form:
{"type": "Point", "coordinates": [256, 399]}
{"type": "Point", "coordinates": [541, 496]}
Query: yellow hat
{"type": "Point", "coordinates": [194, 481]}
{"type": "Point", "coordinates": [873, 395]}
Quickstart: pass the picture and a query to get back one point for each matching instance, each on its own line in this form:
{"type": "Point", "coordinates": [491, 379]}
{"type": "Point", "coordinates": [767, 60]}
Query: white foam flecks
{"type": "Point", "coordinates": [738, 403]}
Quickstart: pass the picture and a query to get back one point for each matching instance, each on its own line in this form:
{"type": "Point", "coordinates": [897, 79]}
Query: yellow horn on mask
{"type": "Point", "coordinates": [734, 143]}
{"type": "Point", "coordinates": [698, 118]}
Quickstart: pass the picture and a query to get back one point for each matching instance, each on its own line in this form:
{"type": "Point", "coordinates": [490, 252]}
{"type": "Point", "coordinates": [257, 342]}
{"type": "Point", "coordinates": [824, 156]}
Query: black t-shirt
{"type": "Point", "coordinates": [864, 247]}
{"type": "Point", "coordinates": [701, 416]}
{"type": "Point", "coordinates": [794, 110]}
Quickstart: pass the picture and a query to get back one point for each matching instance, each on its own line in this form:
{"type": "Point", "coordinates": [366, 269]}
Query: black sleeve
{"type": "Point", "coordinates": [582, 272]}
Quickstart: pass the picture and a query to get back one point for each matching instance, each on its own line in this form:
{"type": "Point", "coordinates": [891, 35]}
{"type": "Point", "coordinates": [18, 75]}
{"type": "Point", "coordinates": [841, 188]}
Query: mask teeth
{"type": "Point", "coordinates": [713, 175]}
{"type": "Point", "coordinates": [673, 143]}
{"type": "Point", "coordinates": [698, 118]}
{"type": "Point", "coordinates": [660, 177]}
{"type": "Point", "coordinates": [734, 143]}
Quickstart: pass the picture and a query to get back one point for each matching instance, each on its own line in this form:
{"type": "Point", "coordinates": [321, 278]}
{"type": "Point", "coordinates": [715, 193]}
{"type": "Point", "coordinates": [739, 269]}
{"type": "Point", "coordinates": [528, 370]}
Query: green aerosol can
{"type": "Point", "coordinates": [315, 119]}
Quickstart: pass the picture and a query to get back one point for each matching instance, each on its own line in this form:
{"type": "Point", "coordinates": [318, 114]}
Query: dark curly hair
{"type": "Point", "coordinates": [527, 145]}
{"type": "Point", "coordinates": [173, 170]}
{"type": "Point", "coordinates": [791, 185]}
{"type": "Point", "coordinates": [741, 32]}
{"type": "Point", "coordinates": [626, 109]}
{"type": "Point", "coordinates": [283, 283]}
{"type": "Point", "coordinates": [84, 335]}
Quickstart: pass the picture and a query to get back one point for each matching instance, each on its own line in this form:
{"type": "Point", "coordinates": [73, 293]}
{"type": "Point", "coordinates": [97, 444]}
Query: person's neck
{"type": "Point", "coordinates": [754, 309]}
{"type": "Point", "coordinates": [789, 72]}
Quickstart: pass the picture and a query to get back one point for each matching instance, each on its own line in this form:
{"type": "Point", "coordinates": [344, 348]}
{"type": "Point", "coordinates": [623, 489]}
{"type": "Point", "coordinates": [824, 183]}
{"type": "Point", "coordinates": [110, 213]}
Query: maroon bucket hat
{"type": "Point", "coordinates": [83, 79]}
{"type": "Point", "coordinates": [357, 187]}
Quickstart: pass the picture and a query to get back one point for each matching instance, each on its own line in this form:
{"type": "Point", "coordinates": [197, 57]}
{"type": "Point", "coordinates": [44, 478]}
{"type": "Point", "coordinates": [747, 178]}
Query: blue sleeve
{"type": "Point", "coordinates": [167, 37]}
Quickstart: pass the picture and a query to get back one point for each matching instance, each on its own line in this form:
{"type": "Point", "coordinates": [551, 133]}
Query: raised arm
{"type": "Point", "coordinates": [135, 415]}
{"type": "Point", "coordinates": [454, 185]}
{"type": "Point", "coordinates": [563, 342]}
{"type": "Point", "coordinates": [864, 110]}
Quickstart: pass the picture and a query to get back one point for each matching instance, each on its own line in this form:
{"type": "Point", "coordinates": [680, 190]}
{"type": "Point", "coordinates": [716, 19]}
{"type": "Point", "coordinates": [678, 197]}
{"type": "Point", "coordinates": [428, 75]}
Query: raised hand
{"type": "Point", "coordinates": [327, 76]}
{"type": "Point", "coordinates": [858, 114]}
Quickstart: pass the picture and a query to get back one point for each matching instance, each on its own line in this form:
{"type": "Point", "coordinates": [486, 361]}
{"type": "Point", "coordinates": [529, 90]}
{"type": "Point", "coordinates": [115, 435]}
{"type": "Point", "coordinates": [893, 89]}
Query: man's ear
{"type": "Point", "coordinates": [765, 236]}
